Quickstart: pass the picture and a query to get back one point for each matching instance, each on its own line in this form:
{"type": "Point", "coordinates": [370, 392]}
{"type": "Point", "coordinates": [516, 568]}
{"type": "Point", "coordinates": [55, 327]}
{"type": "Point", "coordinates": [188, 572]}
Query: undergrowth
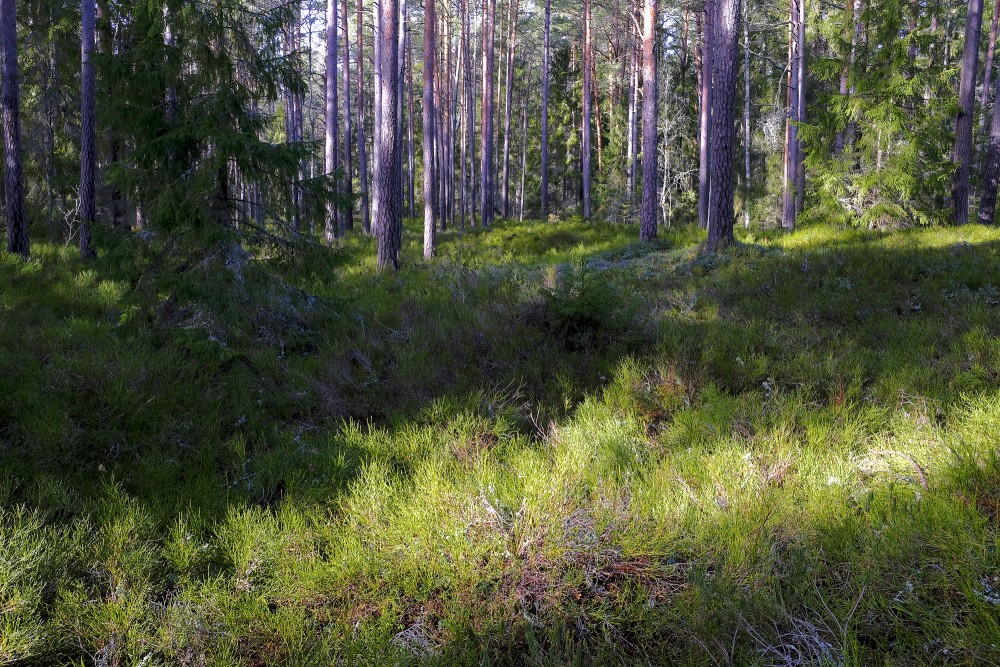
{"type": "Point", "coordinates": [550, 446]}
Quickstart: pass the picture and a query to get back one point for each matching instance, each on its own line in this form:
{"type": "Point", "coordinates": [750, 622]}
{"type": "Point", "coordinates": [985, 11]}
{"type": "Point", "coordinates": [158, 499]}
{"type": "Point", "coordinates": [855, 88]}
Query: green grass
{"type": "Point", "coordinates": [550, 446]}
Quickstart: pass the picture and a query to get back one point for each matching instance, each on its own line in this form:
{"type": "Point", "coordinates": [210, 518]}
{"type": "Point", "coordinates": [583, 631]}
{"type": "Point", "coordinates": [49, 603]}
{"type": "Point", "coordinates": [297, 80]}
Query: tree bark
{"type": "Point", "coordinates": [632, 141]}
{"type": "Point", "coordinates": [853, 11]}
{"type": "Point", "coordinates": [705, 124]}
{"type": "Point", "coordinates": [990, 52]}
{"type": "Point", "coordinates": [17, 225]}
{"type": "Point", "coordinates": [650, 18]}
{"type": "Point", "coordinates": [747, 101]}
{"type": "Point", "coordinates": [963, 122]}
{"type": "Point", "coordinates": [991, 174]}
{"type": "Point", "coordinates": [791, 155]}
{"type": "Point", "coordinates": [387, 201]}
{"type": "Point", "coordinates": [335, 223]}
{"type": "Point", "coordinates": [720, 231]}
{"type": "Point", "coordinates": [586, 148]}
{"type": "Point", "coordinates": [88, 205]}
{"type": "Point", "coordinates": [430, 182]}
{"type": "Point", "coordinates": [512, 22]}
{"type": "Point", "coordinates": [366, 225]}
{"type": "Point", "coordinates": [347, 159]}
{"type": "Point", "coordinates": [468, 115]}
{"type": "Point", "coordinates": [800, 90]}
{"type": "Point", "coordinates": [546, 66]}
{"type": "Point", "coordinates": [486, 126]}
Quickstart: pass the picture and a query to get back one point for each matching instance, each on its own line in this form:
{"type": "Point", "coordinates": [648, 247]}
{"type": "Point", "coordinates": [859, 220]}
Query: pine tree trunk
{"type": "Point", "coordinates": [335, 224]}
{"type": "Point", "coordinates": [430, 183]}
{"type": "Point", "coordinates": [705, 123]}
{"type": "Point", "coordinates": [991, 174]}
{"type": "Point", "coordinates": [486, 126]}
{"type": "Point", "coordinates": [791, 124]}
{"type": "Point", "coordinates": [966, 113]}
{"type": "Point", "coordinates": [512, 22]}
{"type": "Point", "coordinates": [524, 153]}
{"type": "Point", "coordinates": [546, 66]}
{"type": "Point", "coordinates": [17, 224]}
{"type": "Point", "coordinates": [990, 52]}
{"type": "Point", "coordinates": [366, 225]}
{"type": "Point", "coordinates": [586, 148]}
{"type": "Point", "coordinates": [467, 115]}
{"type": "Point", "coordinates": [347, 160]}
{"type": "Point", "coordinates": [631, 151]}
{"type": "Point", "coordinates": [726, 49]}
{"type": "Point", "coordinates": [387, 203]}
{"type": "Point", "coordinates": [800, 107]}
{"type": "Point", "coordinates": [747, 102]}
{"type": "Point", "coordinates": [650, 18]}
{"type": "Point", "coordinates": [88, 205]}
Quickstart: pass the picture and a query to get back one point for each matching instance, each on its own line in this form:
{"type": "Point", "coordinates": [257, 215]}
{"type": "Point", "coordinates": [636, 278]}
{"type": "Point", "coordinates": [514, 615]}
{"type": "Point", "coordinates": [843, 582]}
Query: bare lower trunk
{"type": "Point", "coordinates": [334, 221]}
{"type": "Point", "coordinates": [486, 139]}
{"type": "Point", "coordinates": [800, 107]}
{"type": "Point", "coordinates": [991, 174]}
{"type": "Point", "coordinates": [17, 225]}
{"type": "Point", "coordinates": [430, 183]}
{"type": "Point", "coordinates": [650, 17]}
{"type": "Point", "coordinates": [347, 159]}
{"type": "Point", "coordinates": [524, 153]}
{"type": "Point", "coordinates": [88, 205]}
{"type": "Point", "coordinates": [546, 62]}
{"type": "Point", "coordinates": [631, 151]}
{"type": "Point", "coordinates": [387, 201]}
{"type": "Point", "coordinates": [853, 12]}
{"type": "Point", "coordinates": [747, 136]}
{"type": "Point", "coordinates": [720, 232]}
{"type": "Point", "coordinates": [705, 124]}
{"type": "Point", "coordinates": [791, 123]}
{"type": "Point", "coordinates": [509, 101]}
{"type": "Point", "coordinates": [366, 225]}
{"type": "Point", "coordinates": [966, 113]}
{"type": "Point", "coordinates": [990, 52]}
{"type": "Point", "coordinates": [586, 147]}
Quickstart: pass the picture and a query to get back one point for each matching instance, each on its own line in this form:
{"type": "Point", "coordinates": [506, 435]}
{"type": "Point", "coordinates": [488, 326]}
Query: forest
{"type": "Point", "coordinates": [527, 333]}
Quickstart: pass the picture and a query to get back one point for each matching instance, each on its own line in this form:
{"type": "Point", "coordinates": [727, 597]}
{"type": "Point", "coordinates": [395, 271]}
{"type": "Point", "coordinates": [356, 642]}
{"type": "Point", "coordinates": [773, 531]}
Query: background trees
{"type": "Point", "coordinates": [232, 115]}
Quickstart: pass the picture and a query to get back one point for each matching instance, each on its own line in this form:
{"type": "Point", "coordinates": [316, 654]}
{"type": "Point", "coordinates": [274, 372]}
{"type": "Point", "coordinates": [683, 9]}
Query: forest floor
{"type": "Point", "coordinates": [550, 446]}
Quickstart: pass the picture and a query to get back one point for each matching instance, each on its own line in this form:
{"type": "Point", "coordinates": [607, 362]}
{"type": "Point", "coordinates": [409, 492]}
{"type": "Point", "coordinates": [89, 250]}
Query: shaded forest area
{"type": "Point", "coordinates": [529, 332]}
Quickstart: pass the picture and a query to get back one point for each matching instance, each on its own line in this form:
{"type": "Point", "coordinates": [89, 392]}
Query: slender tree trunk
{"type": "Point", "coordinates": [631, 150]}
{"type": "Point", "coordinates": [512, 22]}
{"type": "Point", "coordinates": [588, 92]}
{"type": "Point", "coordinates": [88, 205]}
{"type": "Point", "coordinates": [791, 123]}
{"type": "Point", "coordinates": [800, 90]}
{"type": "Point", "coordinates": [650, 18]}
{"type": "Point", "coordinates": [106, 47]}
{"type": "Point", "coordinates": [705, 126]}
{"type": "Point", "coordinates": [335, 224]}
{"type": "Point", "coordinates": [546, 66]}
{"type": "Point", "coordinates": [966, 113]}
{"type": "Point", "coordinates": [366, 225]}
{"type": "Point", "coordinates": [720, 231]}
{"type": "Point", "coordinates": [430, 182]}
{"type": "Point", "coordinates": [17, 224]}
{"type": "Point", "coordinates": [990, 52]}
{"type": "Point", "coordinates": [747, 101]}
{"type": "Point", "coordinates": [468, 114]}
{"type": "Point", "coordinates": [991, 174]}
{"type": "Point", "coordinates": [387, 201]}
{"type": "Point", "coordinates": [486, 139]}
{"type": "Point", "coordinates": [348, 138]}
{"type": "Point", "coordinates": [524, 153]}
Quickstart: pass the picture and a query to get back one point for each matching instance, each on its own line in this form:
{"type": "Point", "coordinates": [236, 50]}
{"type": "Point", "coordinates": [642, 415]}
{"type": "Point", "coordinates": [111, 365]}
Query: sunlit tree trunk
{"type": "Point", "coordinates": [991, 174]}
{"type": "Point", "coordinates": [335, 223]}
{"type": "Point", "coordinates": [791, 167]}
{"type": "Point", "coordinates": [747, 101]}
{"type": "Point", "coordinates": [430, 182]}
{"type": "Point", "coordinates": [388, 203]}
{"type": "Point", "coordinates": [546, 66]}
{"type": "Point", "coordinates": [705, 124]}
{"type": "Point", "coordinates": [348, 138]}
{"type": "Point", "coordinates": [966, 112]}
{"type": "Point", "coordinates": [366, 225]}
{"type": "Point", "coordinates": [726, 51]}
{"type": "Point", "coordinates": [650, 18]}
{"type": "Point", "coordinates": [588, 89]}
{"type": "Point", "coordinates": [800, 107]}
{"type": "Point", "coordinates": [512, 22]}
{"type": "Point", "coordinates": [486, 126]}
{"type": "Point", "coordinates": [88, 205]}
{"type": "Point", "coordinates": [990, 52]}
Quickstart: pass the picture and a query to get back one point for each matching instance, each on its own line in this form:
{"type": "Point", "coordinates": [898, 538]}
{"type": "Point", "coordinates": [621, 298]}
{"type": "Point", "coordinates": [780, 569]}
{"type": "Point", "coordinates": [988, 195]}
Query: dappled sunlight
{"type": "Point", "coordinates": [796, 438]}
